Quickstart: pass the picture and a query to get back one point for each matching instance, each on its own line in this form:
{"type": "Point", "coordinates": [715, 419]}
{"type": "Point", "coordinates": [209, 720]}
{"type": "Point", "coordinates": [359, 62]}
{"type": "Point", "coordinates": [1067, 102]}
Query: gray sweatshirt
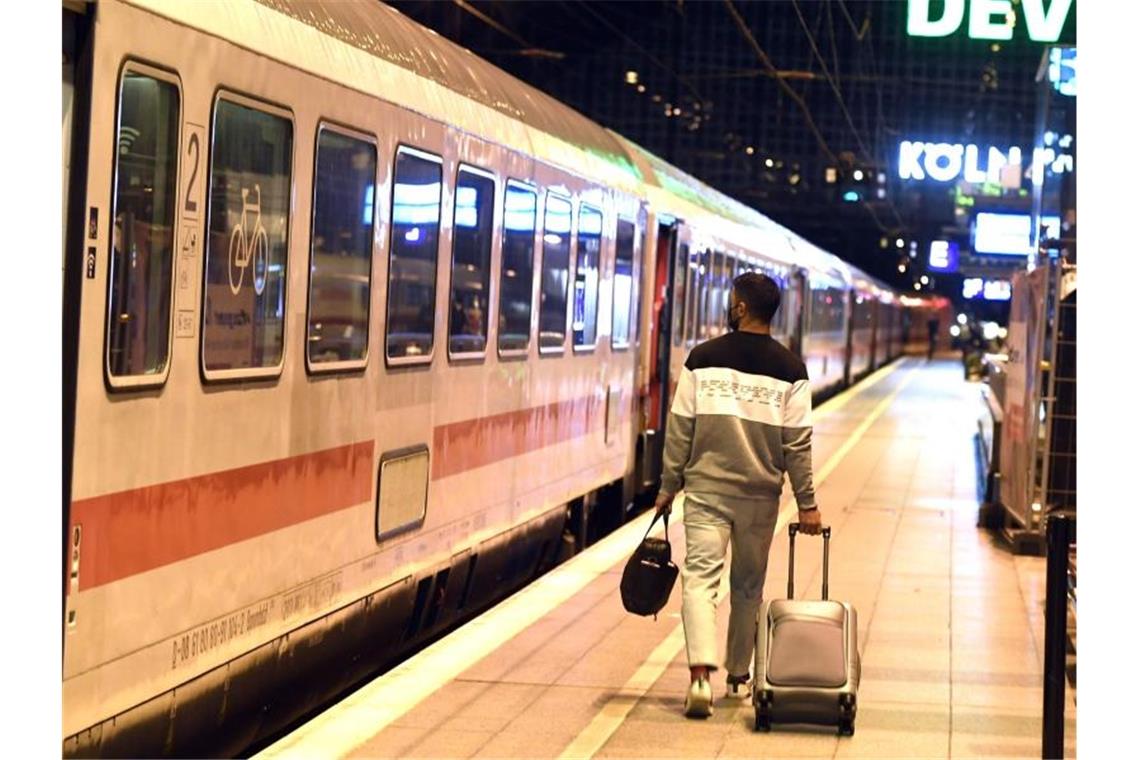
{"type": "Point", "coordinates": [741, 418]}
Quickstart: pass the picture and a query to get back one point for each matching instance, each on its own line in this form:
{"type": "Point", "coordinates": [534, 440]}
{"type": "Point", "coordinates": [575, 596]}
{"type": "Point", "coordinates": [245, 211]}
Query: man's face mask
{"type": "Point", "coordinates": [733, 317]}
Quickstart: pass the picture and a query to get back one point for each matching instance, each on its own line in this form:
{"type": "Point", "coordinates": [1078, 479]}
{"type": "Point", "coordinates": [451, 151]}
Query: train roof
{"type": "Point", "coordinates": [375, 49]}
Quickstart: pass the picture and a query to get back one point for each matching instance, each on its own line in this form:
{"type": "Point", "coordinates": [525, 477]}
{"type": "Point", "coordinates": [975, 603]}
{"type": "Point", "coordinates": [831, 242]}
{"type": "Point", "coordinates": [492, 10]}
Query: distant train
{"type": "Point", "coordinates": [360, 334]}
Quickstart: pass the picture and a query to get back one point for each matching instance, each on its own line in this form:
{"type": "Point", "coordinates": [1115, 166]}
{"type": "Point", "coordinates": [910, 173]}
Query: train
{"type": "Point", "coordinates": [360, 334]}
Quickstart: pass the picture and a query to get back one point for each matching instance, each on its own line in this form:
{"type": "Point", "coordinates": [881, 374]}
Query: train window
{"type": "Point", "coordinates": [693, 278]}
{"type": "Point", "coordinates": [471, 262]}
{"type": "Point", "coordinates": [418, 181]}
{"type": "Point", "coordinates": [680, 285]}
{"type": "Point", "coordinates": [341, 266]}
{"type": "Point", "coordinates": [243, 320]}
{"type": "Point", "coordinates": [586, 277]}
{"type": "Point", "coordinates": [701, 277]}
{"type": "Point", "coordinates": [623, 283]}
{"type": "Point", "coordinates": [141, 276]}
{"type": "Point", "coordinates": [555, 274]}
{"type": "Point", "coordinates": [640, 255]}
{"type": "Point", "coordinates": [520, 216]}
{"type": "Point", "coordinates": [716, 295]}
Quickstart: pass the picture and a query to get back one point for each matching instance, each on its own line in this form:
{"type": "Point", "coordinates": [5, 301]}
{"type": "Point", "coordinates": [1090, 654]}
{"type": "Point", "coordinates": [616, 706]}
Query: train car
{"type": "Point", "coordinates": [360, 335]}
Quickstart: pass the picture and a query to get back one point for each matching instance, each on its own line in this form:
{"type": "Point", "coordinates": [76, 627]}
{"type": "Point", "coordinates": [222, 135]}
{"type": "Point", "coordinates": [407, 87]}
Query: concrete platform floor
{"type": "Point", "coordinates": [951, 624]}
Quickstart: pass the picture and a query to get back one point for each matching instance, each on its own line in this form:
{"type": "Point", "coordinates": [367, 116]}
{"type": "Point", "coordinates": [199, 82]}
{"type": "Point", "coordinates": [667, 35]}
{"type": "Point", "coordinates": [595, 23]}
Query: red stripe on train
{"type": "Point", "coordinates": [473, 443]}
{"type": "Point", "coordinates": [142, 529]}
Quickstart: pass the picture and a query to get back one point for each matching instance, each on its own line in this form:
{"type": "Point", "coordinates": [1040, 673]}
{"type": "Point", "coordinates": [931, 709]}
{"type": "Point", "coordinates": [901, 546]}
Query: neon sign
{"type": "Point", "coordinates": [946, 162]}
{"type": "Point", "coordinates": [989, 19]}
{"type": "Point", "coordinates": [949, 162]}
{"type": "Point", "coordinates": [943, 256]}
{"type": "Point", "coordinates": [989, 290]}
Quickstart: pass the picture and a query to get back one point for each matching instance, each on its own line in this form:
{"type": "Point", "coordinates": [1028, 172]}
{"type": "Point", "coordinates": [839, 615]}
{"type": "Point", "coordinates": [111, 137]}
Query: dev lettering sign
{"type": "Point", "coordinates": [989, 19]}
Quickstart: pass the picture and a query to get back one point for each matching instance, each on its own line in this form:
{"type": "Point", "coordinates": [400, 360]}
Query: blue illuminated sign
{"type": "Point", "coordinates": [1063, 70]}
{"type": "Point", "coordinates": [1009, 234]}
{"type": "Point", "coordinates": [989, 290]}
{"type": "Point", "coordinates": [943, 256]}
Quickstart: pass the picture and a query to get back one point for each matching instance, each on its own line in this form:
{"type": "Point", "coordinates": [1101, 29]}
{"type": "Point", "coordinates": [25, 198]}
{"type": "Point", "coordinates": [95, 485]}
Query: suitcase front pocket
{"type": "Point", "coordinates": [807, 652]}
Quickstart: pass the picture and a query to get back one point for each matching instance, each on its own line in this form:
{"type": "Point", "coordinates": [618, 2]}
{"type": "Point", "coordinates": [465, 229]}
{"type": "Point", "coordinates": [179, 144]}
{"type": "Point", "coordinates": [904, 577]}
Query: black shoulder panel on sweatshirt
{"type": "Point", "coordinates": [750, 353]}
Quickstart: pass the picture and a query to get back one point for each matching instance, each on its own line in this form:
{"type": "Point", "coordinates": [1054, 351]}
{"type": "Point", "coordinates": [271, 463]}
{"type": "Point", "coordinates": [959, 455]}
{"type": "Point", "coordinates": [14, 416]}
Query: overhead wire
{"type": "Point", "coordinates": [742, 25]}
{"type": "Point", "coordinates": [859, 33]}
{"type": "Point", "coordinates": [767, 63]}
{"type": "Point", "coordinates": [652, 58]}
{"type": "Point", "coordinates": [493, 23]}
{"type": "Point", "coordinates": [831, 81]}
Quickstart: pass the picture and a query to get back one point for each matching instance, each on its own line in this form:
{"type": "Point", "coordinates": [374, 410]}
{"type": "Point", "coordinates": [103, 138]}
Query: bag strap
{"type": "Point", "coordinates": [654, 522]}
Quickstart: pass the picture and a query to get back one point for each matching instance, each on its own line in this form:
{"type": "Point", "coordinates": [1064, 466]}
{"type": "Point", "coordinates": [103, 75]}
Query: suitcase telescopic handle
{"type": "Point", "coordinates": [794, 528]}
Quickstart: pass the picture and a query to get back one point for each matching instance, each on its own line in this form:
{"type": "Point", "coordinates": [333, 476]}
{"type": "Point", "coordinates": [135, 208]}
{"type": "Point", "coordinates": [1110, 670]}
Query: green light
{"type": "Point", "coordinates": [989, 19]}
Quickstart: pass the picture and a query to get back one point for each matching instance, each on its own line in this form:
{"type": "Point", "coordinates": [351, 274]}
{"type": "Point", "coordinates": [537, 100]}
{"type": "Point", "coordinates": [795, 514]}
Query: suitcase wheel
{"type": "Point", "coordinates": [764, 711]}
{"type": "Point", "coordinates": [847, 715]}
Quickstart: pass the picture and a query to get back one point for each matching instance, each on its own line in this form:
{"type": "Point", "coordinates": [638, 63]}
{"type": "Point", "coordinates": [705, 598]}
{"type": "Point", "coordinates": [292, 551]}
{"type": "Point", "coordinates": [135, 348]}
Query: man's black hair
{"type": "Point", "coordinates": [760, 294]}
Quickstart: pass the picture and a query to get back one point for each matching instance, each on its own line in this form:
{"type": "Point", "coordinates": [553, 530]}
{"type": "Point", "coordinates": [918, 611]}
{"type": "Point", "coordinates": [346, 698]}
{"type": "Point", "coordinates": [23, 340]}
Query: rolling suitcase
{"type": "Point", "coordinates": [807, 656]}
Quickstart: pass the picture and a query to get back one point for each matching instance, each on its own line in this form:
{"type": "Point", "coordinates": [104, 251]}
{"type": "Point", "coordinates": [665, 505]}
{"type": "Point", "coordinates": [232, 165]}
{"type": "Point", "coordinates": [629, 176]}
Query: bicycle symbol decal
{"type": "Point", "coordinates": [255, 247]}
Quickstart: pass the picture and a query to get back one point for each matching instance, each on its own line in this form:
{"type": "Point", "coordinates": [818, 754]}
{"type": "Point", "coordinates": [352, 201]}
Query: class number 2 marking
{"type": "Point", "coordinates": [193, 146]}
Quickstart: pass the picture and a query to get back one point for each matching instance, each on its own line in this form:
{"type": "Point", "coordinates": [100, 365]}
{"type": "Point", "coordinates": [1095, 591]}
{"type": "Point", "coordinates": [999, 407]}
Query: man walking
{"type": "Point", "coordinates": [741, 417]}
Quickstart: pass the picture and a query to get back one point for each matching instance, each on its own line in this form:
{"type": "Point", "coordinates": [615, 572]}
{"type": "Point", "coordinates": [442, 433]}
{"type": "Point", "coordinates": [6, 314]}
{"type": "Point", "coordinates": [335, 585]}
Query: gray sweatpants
{"type": "Point", "coordinates": [711, 522]}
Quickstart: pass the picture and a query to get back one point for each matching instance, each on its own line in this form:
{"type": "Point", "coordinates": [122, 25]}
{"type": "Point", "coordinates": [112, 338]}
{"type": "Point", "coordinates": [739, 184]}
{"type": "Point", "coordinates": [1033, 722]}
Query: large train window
{"type": "Point", "coordinates": [243, 314]}
{"type": "Point", "coordinates": [520, 217]}
{"type": "Point", "coordinates": [639, 255]}
{"type": "Point", "coordinates": [698, 265]}
{"type": "Point", "coordinates": [623, 283]}
{"type": "Point", "coordinates": [416, 192]}
{"type": "Point", "coordinates": [555, 275]}
{"type": "Point", "coordinates": [707, 293]}
{"type": "Point", "coordinates": [681, 277]}
{"type": "Point", "coordinates": [716, 290]}
{"type": "Point", "coordinates": [340, 282]}
{"type": "Point", "coordinates": [141, 274]}
{"type": "Point", "coordinates": [469, 307]}
{"type": "Point", "coordinates": [585, 323]}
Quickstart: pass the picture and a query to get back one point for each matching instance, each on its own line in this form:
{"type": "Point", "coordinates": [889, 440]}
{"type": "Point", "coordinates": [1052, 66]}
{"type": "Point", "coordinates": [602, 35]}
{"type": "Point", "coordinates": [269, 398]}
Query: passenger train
{"type": "Point", "coordinates": [360, 335]}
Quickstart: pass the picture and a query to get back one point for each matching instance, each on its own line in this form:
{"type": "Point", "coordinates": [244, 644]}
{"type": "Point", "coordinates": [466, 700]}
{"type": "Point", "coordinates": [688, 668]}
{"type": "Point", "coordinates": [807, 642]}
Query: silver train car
{"type": "Point", "coordinates": [360, 335]}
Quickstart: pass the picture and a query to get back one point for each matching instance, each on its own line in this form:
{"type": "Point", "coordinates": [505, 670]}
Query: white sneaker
{"type": "Point", "coordinates": [698, 702]}
{"type": "Point", "coordinates": [738, 687]}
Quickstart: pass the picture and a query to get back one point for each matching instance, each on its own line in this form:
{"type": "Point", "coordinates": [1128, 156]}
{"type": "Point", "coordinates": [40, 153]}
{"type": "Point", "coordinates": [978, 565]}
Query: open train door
{"type": "Point", "coordinates": [657, 391]}
{"type": "Point", "coordinates": [77, 64]}
{"type": "Point", "coordinates": [799, 310]}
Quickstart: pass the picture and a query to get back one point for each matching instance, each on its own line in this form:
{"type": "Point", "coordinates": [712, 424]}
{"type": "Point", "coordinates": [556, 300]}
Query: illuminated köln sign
{"type": "Point", "coordinates": [946, 162]}
{"type": "Point", "coordinates": [949, 162]}
{"type": "Point", "coordinates": [989, 19]}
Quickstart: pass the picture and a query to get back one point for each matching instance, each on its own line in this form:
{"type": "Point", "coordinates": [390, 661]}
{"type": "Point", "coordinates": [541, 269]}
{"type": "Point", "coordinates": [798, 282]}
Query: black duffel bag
{"type": "Point", "coordinates": [649, 574]}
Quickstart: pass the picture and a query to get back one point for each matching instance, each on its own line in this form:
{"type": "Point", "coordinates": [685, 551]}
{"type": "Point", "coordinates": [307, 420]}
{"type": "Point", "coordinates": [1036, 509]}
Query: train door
{"type": "Point", "coordinates": [76, 81]}
{"type": "Point", "coordinates": [876, 328]}
{"type": "Point", "coordinates": [799, 311]}
{"type": "Point", "coordinates": [655, 393]}
{"type": "Point", "coordinates": [849, 323]}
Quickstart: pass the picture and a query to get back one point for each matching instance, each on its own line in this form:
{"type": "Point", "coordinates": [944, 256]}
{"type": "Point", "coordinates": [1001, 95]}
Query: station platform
{"type": "Point", "coordinates": [951, 625]}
